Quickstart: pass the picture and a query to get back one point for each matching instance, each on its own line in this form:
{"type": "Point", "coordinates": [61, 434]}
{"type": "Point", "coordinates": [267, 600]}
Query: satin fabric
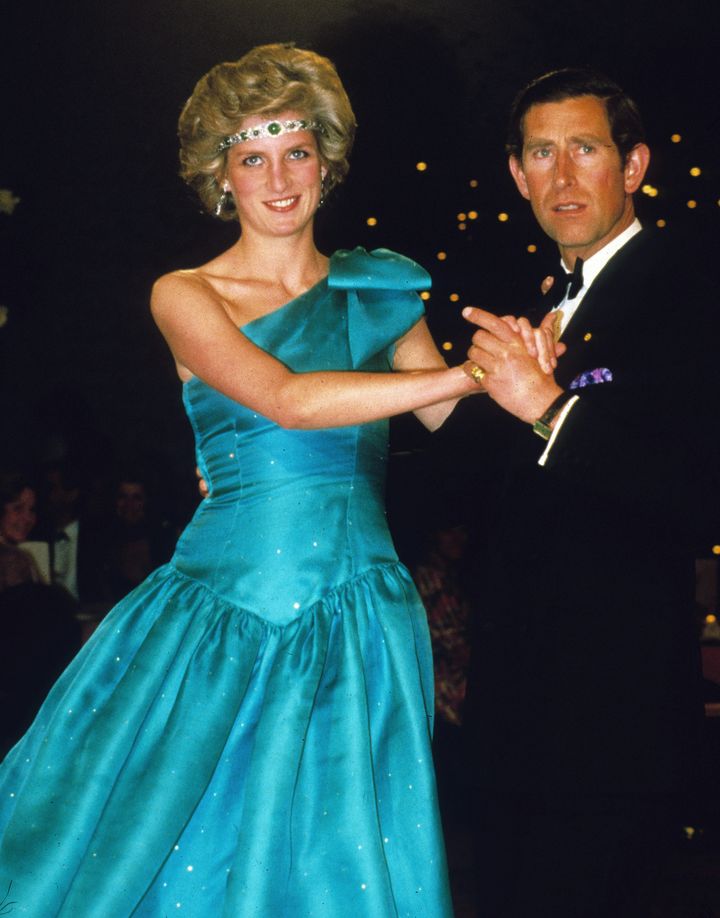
{"type": "Point", "coordinates": [248, 732]}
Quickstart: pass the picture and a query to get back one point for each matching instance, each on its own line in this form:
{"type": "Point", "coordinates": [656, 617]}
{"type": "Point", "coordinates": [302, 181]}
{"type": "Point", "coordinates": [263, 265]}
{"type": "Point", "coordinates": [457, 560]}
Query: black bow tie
{"type": "Point", "coordinates": [571, 282]}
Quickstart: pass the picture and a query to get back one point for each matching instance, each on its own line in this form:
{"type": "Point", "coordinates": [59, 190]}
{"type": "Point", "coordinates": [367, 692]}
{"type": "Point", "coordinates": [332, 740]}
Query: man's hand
{"type": "Point", "coordinates": [542, 342]}
{"type": "Point", "coordinates": [513, 378]}
{"type": "Point", "coordinates": [202, 484]}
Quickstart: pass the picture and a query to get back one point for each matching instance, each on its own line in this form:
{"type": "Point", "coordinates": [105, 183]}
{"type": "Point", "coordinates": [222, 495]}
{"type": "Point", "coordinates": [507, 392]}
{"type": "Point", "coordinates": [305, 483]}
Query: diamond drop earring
{"type": "Point", "coordinates": [222, 200]}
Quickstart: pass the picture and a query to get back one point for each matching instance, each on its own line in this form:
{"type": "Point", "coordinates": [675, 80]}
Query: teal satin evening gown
{"type": "Point", "coordinates": [248, 732]}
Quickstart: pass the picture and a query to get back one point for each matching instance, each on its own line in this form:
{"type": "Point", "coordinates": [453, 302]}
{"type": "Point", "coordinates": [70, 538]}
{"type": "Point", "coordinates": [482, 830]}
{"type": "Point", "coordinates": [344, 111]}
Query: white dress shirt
{"type": "Point", "coordinates": [591, 268]}
{"type": "Point", "coordinates": [65, 558]}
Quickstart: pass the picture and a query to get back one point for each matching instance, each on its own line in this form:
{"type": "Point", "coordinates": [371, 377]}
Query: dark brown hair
{"type": "Point", "coordinates": [626, 127]}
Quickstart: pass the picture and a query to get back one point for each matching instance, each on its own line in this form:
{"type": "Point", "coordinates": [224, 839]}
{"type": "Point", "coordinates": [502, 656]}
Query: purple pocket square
{"type": "Point", "coordinates": [592, 378]}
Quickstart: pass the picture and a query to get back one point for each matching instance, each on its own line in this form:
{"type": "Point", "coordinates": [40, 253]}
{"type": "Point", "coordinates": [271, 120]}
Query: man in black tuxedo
{"type": "Point", "coordinates": [76, 542]}
{"type": "Point", "coordinates": [583, 704]}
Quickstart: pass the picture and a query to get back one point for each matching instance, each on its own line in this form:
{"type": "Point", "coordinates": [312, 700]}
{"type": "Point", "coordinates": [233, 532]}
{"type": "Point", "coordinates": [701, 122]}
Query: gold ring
{"type": "Point", "coordinates": [478, 374]}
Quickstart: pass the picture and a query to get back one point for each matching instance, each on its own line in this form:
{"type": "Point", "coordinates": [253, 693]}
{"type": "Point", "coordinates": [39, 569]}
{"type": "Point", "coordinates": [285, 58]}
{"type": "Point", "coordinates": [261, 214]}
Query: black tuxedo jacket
{"type": "Point", "coordinates": [585, 673]}
{"type": "Point", "coordinates": [90, 563]}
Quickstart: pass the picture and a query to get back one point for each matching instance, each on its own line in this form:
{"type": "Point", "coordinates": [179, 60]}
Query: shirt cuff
{"type": "Point", "coordinates": [567, 407]}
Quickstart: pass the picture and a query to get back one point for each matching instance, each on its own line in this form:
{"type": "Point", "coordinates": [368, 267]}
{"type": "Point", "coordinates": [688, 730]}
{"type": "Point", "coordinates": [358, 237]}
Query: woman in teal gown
{"type": "Point", "coordinates": [248, 732]}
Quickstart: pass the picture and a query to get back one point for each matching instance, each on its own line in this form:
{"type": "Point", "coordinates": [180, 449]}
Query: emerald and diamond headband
{"type": "Point", "coordinates": [269, 129]}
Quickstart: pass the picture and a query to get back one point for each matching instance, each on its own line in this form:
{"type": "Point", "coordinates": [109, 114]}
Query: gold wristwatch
{"type": "Point", "coordinates": [542, 426]}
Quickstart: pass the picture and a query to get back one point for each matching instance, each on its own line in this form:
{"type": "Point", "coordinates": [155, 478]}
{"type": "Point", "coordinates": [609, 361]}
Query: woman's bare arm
{"type": "Point", "coordinates": [415, 351]}
{"type": "Point", "coordinates": [206, 343]}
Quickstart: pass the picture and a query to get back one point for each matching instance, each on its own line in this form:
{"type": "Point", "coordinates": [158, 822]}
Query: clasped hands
{"type": "Point", "coordinates": [518, 361]}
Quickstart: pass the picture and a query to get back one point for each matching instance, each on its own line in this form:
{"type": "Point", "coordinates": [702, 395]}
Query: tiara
{"type": "Point", "coordinates": [270, 129]}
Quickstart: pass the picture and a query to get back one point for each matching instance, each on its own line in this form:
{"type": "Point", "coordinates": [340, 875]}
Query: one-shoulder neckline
{"type": "Point", "coordinates": [354, 269]}
{"type": "Point", "coordinates": [273, 312]}
{"type": "Point", "coordinates": [279, 309]}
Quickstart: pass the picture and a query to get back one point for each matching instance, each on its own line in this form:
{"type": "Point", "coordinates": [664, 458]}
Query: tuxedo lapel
{"type": "Point", "coordinates": [595, 332]}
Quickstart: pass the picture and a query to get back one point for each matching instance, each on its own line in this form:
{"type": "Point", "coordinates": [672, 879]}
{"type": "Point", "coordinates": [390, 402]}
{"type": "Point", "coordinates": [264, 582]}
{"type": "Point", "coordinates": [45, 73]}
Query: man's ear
{"type": "Point", "coordinates": [518, 175]}
{"type": "Point", "coordinates": [636, 164]}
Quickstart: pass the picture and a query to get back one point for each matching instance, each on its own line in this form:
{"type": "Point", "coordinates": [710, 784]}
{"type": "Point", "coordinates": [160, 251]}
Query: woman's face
{"type": "Point", "coordinates": [275, 181]}
{"type": "Point", "coordinates": [18, 518]}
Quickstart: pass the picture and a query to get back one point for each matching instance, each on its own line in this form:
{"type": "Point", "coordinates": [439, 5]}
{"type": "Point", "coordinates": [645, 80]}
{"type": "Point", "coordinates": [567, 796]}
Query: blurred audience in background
{"type": "Point", "coordinates": [39, 633]}
{"type": "Point", "coordinates": [441, 576]}
{"type": "Point", "coordinates": [137, 540]}
{"type": "Point", "coordinates": [74, 536]}
{"type": "Point", "coordinates": [17, 520]}
{"type": "Point", "coordinates": [73, 541]}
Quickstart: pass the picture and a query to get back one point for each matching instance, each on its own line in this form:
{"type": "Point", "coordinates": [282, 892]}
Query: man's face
{"type": "Point", "coordinates": [571, 172]}
{"type": "Point", "coordinates": [130, 502]}
{"type": "Point", "coordinates": [61, 499]}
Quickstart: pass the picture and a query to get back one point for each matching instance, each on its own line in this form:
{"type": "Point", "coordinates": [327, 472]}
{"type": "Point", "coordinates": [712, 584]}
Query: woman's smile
{"type": "Point", "coordinates": [283, 205]}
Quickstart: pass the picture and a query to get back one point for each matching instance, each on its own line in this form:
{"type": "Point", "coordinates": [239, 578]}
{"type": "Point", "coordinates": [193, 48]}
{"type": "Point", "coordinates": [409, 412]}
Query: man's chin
{"type": "Point", "coordinates": [562, 234]}
{"type": "Point", "coordinates": [570, 237]}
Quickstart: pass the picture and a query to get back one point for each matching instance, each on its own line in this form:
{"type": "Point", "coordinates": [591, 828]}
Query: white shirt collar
{"type": "Point", "coordinates": [72, 530]}
{"type": "Point", "coordinates": [591, 268]}
{"type": "Point", "coordinates": [594, 265]}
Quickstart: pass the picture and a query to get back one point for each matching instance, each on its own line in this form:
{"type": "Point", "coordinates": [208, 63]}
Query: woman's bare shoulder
{"type": "Point", "coordinates": [184, 279]}
{"type": "Point", "coordinates": [183, 287]}
{"type": "Point", "coordinates": [187, 309]}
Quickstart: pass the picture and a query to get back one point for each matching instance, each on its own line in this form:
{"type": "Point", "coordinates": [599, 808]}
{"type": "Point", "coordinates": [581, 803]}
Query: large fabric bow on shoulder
{"type": "Point", "coordinates": [382, 302]}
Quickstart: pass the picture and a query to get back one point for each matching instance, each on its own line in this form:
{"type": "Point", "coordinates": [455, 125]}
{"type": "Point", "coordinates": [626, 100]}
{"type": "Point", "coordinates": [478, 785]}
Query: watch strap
{"type": "Point", "coordinates": [542, 426]}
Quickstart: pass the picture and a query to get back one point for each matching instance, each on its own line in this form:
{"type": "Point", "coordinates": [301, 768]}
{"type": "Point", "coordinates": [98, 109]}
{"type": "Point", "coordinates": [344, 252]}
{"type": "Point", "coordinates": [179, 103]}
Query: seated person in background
{"type": "Point", "coordinates": [75, 543]}
{"type": "Point", "coordinates": [138, 542]}
{"type": "Point", "coordinates": [441, 579]}
{"type": "Point", "coordinates": [17, 519]}
{"type": "Point", "coordinates": [38, 633]}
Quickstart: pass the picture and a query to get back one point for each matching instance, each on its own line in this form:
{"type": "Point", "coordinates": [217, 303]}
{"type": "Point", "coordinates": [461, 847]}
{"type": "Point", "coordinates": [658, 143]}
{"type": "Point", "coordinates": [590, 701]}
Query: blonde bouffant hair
{"type": "Point", "coordinates": [268, 80]}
